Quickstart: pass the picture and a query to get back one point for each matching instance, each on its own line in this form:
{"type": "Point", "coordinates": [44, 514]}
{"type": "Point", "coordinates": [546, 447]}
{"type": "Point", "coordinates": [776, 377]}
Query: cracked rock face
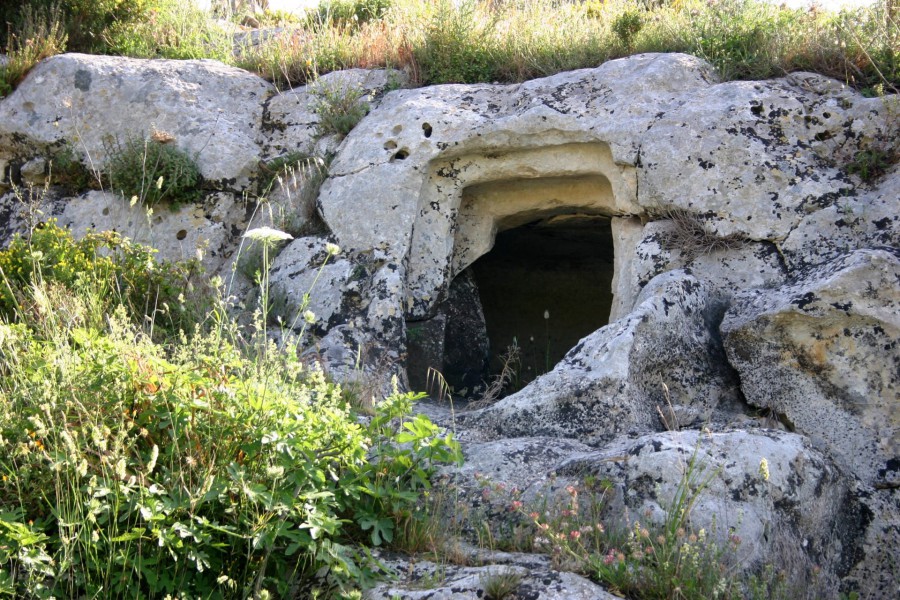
{"type": "Point", "coordinates": [824, 352]}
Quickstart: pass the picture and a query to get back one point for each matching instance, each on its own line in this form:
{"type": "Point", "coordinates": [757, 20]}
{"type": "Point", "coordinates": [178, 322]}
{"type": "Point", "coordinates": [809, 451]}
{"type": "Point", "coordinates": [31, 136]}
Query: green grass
{"type": "Point", "coordinates": [441, 41]}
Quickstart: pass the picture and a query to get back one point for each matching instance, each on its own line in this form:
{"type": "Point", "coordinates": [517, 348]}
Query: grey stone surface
{"type": "Point", "coordinates": [212, 111]}
{"type": "Point", "coordinates": [823, 352]}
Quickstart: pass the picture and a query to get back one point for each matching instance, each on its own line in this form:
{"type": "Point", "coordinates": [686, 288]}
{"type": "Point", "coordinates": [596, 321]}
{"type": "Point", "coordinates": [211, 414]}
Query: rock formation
{"type": "Point", "coordinates": [755, 289]}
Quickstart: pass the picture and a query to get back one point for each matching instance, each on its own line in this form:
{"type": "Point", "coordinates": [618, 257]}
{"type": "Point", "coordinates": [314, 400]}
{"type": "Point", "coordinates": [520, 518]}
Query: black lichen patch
{"type": "Point", "coordinates": [83, 80]}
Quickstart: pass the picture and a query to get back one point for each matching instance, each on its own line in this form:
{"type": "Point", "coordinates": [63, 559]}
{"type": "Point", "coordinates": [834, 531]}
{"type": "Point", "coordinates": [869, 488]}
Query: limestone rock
{"type": "Point", "coordinates": [358, 331]}
{"type": "Point", "coordinates": [823, 353]}
{"type": "Point", "coordinates": [454, 342]}
{"type": "Point", "coordinates": [209, 230]}
{"type": "Point", "coordinates": [612, 381]}
{"type": "Point", "coordinates": [868, 219]}
{"type": "Point", "coordinates": [757, 156]}
{"type": "Point", "coordinates": [747, 265]}
{"type": "Point", "coordinates": [439, 151]}
{"type": "Point", "coordinates": [290, 123]}
{"type": "Point", "coordinates": [305, 277]}
{"type": "Point", "coordinates": [212, 111]}
{"type": "Point", "coordinates": [422, 579]}
{"type": "Point", "coordinates": [800, 516]}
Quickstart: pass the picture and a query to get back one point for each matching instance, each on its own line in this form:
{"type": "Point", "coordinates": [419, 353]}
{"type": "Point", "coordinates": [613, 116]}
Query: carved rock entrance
{"type": "Point", "coordinates": [543, 287]}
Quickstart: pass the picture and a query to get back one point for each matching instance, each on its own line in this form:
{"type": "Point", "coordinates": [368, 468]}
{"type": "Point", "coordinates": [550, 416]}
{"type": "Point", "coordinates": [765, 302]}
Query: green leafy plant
{"type": "Point", "coordinates": [68, 171]}
{"type": "Point", "coordinates": [168, 295]}
{"type": "Point", "coordinates": [338, 106]}
{"type": "Point", "coordinates": [152, 172]}
{"type": "Point", "coordinates": [626, 26]}
{"type": "Point", "coordinates": [198, 467]}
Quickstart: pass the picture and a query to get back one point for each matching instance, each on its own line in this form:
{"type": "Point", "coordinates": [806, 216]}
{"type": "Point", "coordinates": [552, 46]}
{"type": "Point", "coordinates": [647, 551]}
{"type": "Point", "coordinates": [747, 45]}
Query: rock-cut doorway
{"type": "Point", "coordinates": [542, 287]}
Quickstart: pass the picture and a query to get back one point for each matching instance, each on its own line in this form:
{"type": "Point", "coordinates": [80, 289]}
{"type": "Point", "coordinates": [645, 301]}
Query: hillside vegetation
{"type": "Point", "coordinates": [469, 41]}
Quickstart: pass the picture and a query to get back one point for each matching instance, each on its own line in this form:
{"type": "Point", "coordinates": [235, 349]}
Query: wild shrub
{"type": "Point", "coordinates": [626, 26]}
{"type": "Point", "coordinates": [338, 105]}
{"type": "Point", "coordinates": [40, 35]}
{"type": "Point", "coordinates": [201, 467]}
{"type": "Point", "coordinates": [172, 29]}
{"type": "Point", "coordinates": [456, 46]}
{"type": "Point", "coordinates": [68, 171]}
{"type": "Point", "coordinates": [167, 295]}
{"type": "Point", "coordinates": [350, 13]}
{"type": "Point", "coordinates": [152, 172]}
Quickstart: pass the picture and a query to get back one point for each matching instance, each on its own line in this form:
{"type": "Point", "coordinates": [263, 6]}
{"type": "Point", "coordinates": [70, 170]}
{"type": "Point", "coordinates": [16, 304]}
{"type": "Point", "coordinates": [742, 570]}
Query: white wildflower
{"type": "Point", "coordinates": [332, 249]}
{"type": "Point", "coordinates": [267, 234]}
{"type": "Point", "coordinates": [309, 316]}
{"type": "Point", "coordinates": [154, 455]}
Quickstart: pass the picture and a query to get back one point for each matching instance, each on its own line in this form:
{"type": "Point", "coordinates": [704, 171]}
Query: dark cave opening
{"type": "Point", "coordinates": [543, 287]}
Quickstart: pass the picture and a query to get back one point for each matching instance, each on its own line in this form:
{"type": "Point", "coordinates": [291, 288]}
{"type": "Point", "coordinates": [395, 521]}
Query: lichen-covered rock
{"type": "Point", "coordinates": [757, 156]}
{"type": "Point", "coordinates": [612, 381]}
{"type": "Point", "coordinates": [823, 352]}
{"type": "Point", "coordinates": [209, 230]}
{"type": "Point", "coordinates": [795, 512]}
{"type": "Point", "coordinates": [867, 219]}
{"type": "Point", "coordinates": [291, 123]}
{"type": "Point", "coordinates": [353, 326]}
{"type": "Point", "coordinates": [306, 277]}
{"type": "Point", "coordinates": [534, 575]}
{"type": "Point", "coordinates": [212, 111]}
{"type": "Point", "coordinates": [660, 248]}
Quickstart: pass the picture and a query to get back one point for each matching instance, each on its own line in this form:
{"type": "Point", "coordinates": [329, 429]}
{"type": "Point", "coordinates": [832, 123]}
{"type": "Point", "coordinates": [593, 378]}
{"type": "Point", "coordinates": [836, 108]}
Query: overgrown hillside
{"type": "Point", "coordinates": [442, 41]}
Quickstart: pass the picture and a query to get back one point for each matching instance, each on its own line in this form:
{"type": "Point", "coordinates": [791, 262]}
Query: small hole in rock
{"type": "Point", "coordinates": [390, 145]}
{"type": "Point", "coordinates": [756, 110]}
{"type": "Point", "coordinates": [426, 127]}
{"type": "Point", "coordinates": [827, 115]}
{"type": "Point", "coordinates": [397, 129]}
{"type": "Point", "coordinates": [105, 211]}
{"type": "Point", "coordinates": [401, 154]}
{"type": "Point", "coordinates": [181, 234]}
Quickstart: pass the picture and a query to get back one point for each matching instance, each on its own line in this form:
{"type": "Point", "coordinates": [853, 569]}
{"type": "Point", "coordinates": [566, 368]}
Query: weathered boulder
{"type": "Point", "coordinates": [795, 512]}
{"type": "Point", "coordinates": [823, 352]}
{"type": "Point", "coordinates": [757, 156]}
{"type": "Point", "coordinates": [209, 230]}
{"type": "Point", "coordinates": [664, 245]}
{"type": "Point", "coordinates": [213, 112]}
{"type": "Point", "coordinates": [354, 328]}
{"type": "Point", "coordinates": [292, 125]}
{"type": "Point", "coordinates": [867, 219]}
{"type": "Point", "coordinates": [612, 381]}
{"type": "Point", "coordinates": [533, 575]}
